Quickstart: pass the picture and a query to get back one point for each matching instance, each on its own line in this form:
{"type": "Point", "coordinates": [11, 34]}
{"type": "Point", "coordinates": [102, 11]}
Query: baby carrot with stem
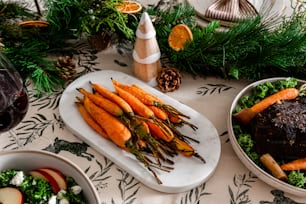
{"type": "Point", "coordinates": [113, 97]}
{"type": "Point", "coordinates": [178, 120]}
{"type": "Point", "coordinates": [142, 133]}
{"type": "Point", "coordinates": [90, 121]}
{"type": "Point", "coordinates": [247, 114]}
{"type": "Point", "coordinates": [159, 113]}
{"type": "Point", "coordinates": [137, 106]}
{"type": "Point", "coordinates": [116, 130]}
{"type": "Point", "coordinates": [102, 102]}
{"type": "Point", "coordinates": [186, 149]}
{"type": "Point", "coordinates": [151, 100]}
{"type": "Point", "coordinates": [160, 131]}
{"type": "Point", "coordinates": [115, 110]}
{"type": "Point", "coordinates": [118, 133]}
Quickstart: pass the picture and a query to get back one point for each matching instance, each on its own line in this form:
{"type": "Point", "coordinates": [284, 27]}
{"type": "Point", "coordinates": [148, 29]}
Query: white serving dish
{"type": "Point", "coordinates": [280, 8]}
{"type": "Point", "coordinates": [27, 160]}
{"type": "Point", "coordinates": [260, 173]}
{"type": "Point", "coordinates": [188, 172]}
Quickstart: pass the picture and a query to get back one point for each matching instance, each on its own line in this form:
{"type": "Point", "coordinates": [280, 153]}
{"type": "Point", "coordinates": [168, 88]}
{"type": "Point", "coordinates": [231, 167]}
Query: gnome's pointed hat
{"type": "Point", "coordinates": [146, 49]}
{"type": "Point", "coordinates": [146, 53]}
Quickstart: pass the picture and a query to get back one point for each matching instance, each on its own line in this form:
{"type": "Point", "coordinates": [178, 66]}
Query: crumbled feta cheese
{"type": "Point", "coordinates": [76, 189]}
{"type": "Point", "coordinates": [63, 201]}
{"type": "Point", "coordinates": [17, 179]}
{"type": "Point", "coordinates": [61, 194]}
{"type": "Point", "coordinates": [52, 200]}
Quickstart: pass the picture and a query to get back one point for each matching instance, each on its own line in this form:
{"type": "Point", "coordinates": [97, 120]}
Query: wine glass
{"type": "Point", "coordinates": [13, 96]}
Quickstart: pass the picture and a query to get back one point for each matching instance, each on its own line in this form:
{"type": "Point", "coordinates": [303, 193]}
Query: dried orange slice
{"type": "Point", "coordinates": [34, 23]}
{"type": "Point", "coordinates": [179, 36]}
{"type": "Point", "coordinates": [129, 7]}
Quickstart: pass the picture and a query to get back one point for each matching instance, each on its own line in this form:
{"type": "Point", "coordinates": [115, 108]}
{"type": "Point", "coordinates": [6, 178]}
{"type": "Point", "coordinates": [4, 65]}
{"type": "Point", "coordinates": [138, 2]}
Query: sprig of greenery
{"type": "Point", "coordinates": [250, 49]}
{"type": "Point", "coordinates": [32, 63]}
{"type": "Point", "coordinates": [64, 17]}
{"type": "Point", "coordinates": [102, 16]}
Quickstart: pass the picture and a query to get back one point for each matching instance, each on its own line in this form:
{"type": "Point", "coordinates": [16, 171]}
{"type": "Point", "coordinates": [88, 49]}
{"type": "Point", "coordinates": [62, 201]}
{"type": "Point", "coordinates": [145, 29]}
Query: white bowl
{"type": "Point", "coordinates": [260, 173]}
{"type": "Point", "coordinates": [27, 160]}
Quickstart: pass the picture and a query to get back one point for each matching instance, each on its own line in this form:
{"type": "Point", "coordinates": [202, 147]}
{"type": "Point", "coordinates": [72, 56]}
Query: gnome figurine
{"type": "Point", "coordinates": [146, 53]}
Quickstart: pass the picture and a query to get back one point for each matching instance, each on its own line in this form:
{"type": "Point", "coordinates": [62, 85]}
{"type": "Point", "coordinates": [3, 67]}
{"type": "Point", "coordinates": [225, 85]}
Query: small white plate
{"type": "Point", "coordinates": [188, 172]}
{"type": "Point", "coordinates": [259, 172]}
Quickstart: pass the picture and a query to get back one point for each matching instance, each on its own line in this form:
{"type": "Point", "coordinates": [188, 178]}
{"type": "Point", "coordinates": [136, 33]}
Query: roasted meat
{"type": "Point", "coordinates": [281, 130]}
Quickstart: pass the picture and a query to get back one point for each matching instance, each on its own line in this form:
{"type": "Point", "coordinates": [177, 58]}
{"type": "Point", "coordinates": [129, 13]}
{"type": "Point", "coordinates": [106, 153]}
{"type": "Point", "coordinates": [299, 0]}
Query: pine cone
{"type": "Point", "coordinates": [169, 79]}
{"type": "Point", "coordinates": [68, 67]}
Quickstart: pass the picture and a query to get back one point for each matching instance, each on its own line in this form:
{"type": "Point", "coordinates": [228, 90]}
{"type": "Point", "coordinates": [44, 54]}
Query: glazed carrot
{"type": "Point", "coordinates": [113, 97]}
{"type": "Point", "coordinates": [177, 120]}
{"type": "Point", "coordinates": [247, 114]}
{"type": "Point", "coordinates": [143, 135]}
{"type": "Point", "coordinates": [90, 121]}
{"type": "Point", "coordinates": [298, 164]}
{"type": "Point", "coordinates": [102, 102]}
{"type": "Point", "coordinates": [148, 98]}
{"type": "Point", "coordinates": [116, 131]}
{"type": "Point", "coordinates": [137, 106]}
{"type": "Point", "coordinates": [158, 112]}
{"type": "Point", "coordinates": [153, 100]}
{"type": "Point", "coordinates": [268, 161]}
{"type": "Point", "coordinates": [119, 134]}
{"type": "Point", "coordinates": [161, 131]}
{"type": "Point", "coordinates": [141, 94]}
{"type": "Point", "coordinates": [186, 149]}
{"type": "Point", "coordinates": [183, 147]}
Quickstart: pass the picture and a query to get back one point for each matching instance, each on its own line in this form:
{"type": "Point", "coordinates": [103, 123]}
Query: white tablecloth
{"type": "Point", "coordinates": [232, 182]}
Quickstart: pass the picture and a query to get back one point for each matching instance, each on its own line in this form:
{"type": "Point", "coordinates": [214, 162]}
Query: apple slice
{"type": "Point", "coordinates": [57, 176]}
{"type": "Point", "coordinates": [9, 195]}
{"type": "Point", "coordinates": [43, 175]}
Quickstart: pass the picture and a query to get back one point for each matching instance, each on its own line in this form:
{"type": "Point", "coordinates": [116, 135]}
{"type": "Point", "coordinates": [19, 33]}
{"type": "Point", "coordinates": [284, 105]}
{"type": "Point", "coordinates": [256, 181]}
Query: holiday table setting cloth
{"type": "Point", "coordinates": [231, 182]}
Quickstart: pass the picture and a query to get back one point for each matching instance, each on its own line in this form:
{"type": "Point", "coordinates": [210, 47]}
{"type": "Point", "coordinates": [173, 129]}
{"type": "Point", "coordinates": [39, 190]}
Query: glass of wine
{"type": "Point", "coordinates": [13, 96]}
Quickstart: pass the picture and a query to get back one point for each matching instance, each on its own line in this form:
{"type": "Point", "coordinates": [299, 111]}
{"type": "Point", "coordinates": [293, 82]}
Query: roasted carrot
{"type": "Point", "coordinates": [90, 121]}
{"type": "Point", "coordinates": [160, 131]}
{"type": "Point", "coordinates": [148, 98]}
{"type": "Point", "coordinates": [113, 97]}
{"type": "Point", "coordinates": [119, 134]}
{"type": "Point", "coordinates": [178, 120]}
{"type": "Point", "coordinates": [159, 113]}
{"type": "Point", "coordinates": [247, 114]}
{"type": "Point", "coordinates": [186, 149]}
{"type": "Point", "coordinates": [141, 94]}
{"type": "Point", "coordinates": [268, 161]}
{"type": "Point", "coordinates": [142, 134]}
{"type": "Point", "coordinates": [298, 164]}
{"type": "Point", "coordinates": [116, 130]}
{"type": "Point", "coordinates": [137, 106]}
{"type": "Point", "coordinates": [102, 102]}
{"type": "Point", "coordinates": [151, 99]}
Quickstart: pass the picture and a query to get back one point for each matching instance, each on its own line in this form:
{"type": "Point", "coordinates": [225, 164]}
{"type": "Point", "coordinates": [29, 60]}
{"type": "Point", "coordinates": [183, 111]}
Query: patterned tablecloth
{"type": "Point", "coordinates": [232, 182]}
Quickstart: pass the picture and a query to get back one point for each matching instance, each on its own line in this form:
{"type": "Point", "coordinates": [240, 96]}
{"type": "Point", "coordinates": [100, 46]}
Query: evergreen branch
{"type": "Point", "coordinates": [31, 63]}
{"type": "Point", "coordinates": [251, 49]}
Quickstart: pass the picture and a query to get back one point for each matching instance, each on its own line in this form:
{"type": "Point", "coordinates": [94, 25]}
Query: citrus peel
{"type": "Point", "coordinates": [129, 7]}
{"type": "Point", "coordinates": [179, 36]}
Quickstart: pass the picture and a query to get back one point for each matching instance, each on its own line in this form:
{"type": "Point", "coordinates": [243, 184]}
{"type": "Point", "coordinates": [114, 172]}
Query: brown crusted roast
{"type": "Point", "coordinates": [281, 130]}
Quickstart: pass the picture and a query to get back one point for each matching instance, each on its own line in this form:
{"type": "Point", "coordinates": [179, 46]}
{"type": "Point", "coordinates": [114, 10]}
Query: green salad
{"type": "Point", "coordinates": [38, 190]}
{"type": "Point", "coordinates": [243, 135]}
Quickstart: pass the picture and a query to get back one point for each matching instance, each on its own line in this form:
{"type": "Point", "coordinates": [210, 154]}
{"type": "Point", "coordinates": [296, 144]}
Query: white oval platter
{"type": "Point", "coordinates": [188, 172]}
